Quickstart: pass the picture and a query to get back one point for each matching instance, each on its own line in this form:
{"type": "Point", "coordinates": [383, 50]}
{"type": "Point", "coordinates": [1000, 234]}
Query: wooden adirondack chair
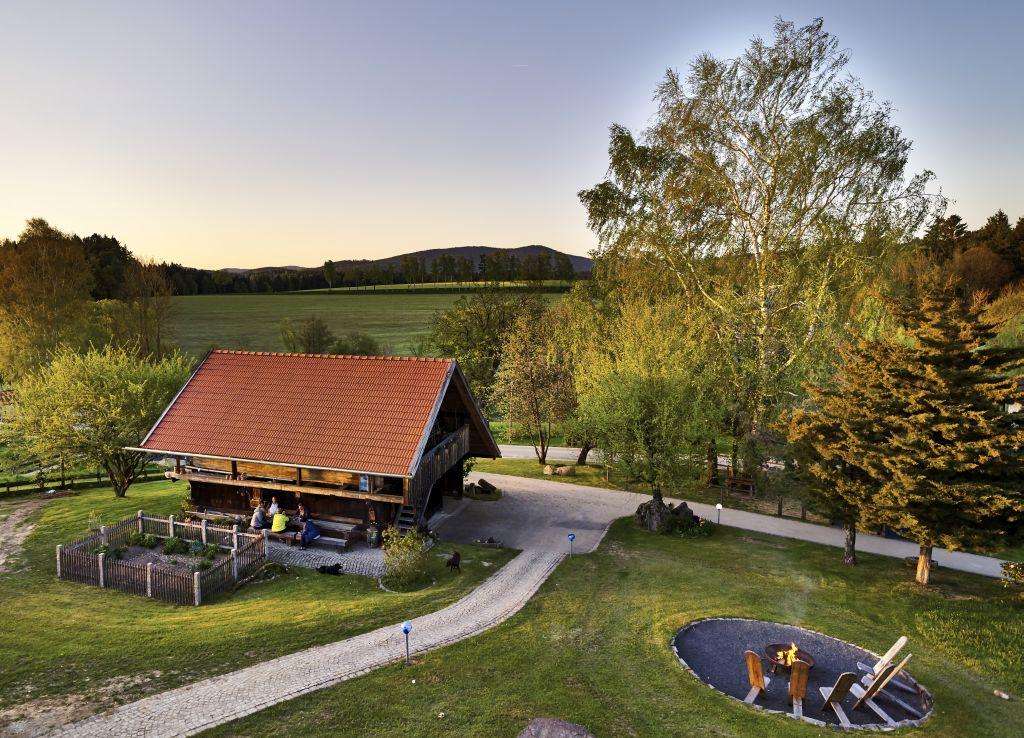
{"type": "Point", "coordinates": [758, 681]}
{"type": "Point", "coordinates": [834, 696]}
{"type": "Point", "coordinates": [865, 697]}
{"type": "Point", "coordinates": [887, 659]}
{"type": "Point", "coordinates": [891, 681]}
{"type": "Point", "coordinates": [798, 674]}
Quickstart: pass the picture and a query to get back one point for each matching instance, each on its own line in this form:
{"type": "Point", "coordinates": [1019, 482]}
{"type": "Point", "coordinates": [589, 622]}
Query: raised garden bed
{"type": "Point", "coordinates": [183, 563]}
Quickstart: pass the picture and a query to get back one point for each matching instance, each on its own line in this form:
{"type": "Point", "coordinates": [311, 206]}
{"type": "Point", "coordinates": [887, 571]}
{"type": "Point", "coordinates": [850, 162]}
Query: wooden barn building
{"type": "Point", "coordinates": [356, 438]}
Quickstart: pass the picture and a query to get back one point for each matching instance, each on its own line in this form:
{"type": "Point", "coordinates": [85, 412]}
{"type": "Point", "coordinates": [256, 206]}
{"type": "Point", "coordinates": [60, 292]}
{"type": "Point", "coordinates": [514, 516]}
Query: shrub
{"type": "Point", "coordinates": [113, 553]}
{"type": "Point", "coordinates": [405, 558]}
{"type": "Point", "coordinates": [687, 527]}
{"type": "Point", "coordinates": [1013, 573]}
{"type": "Point", "coordinates": [203, 565]}
{"type": "Point", "coordinates": [147, 540]}
{"type": "Point", "coordinates": [175, 545]}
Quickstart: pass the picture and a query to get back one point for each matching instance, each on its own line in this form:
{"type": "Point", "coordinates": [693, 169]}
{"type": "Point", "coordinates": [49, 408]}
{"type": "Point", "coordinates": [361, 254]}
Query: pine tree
{"type": "Point", "coordinates": [917, 426]}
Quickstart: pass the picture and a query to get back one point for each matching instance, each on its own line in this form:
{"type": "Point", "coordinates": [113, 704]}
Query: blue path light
{"type": "Point", "coordinates": [572, 537]}
{"type": "Point", "coordinates": [407, 629]}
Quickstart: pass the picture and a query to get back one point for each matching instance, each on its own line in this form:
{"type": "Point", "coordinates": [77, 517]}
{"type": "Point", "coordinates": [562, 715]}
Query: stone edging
{"type": "Point", "coordinates": [820, 723]}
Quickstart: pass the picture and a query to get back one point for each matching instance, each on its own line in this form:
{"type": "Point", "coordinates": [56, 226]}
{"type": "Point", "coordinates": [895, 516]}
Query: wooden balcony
{"type": "Point", "coordinates": [195, 474]}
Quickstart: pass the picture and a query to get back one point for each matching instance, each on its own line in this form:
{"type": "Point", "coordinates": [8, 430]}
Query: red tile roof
{"type": "Point", "coordinates": [352, 413]}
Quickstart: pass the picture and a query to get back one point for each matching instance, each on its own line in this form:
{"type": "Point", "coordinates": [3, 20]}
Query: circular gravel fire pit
{"type": "Point", "coordinates": [713, 650]}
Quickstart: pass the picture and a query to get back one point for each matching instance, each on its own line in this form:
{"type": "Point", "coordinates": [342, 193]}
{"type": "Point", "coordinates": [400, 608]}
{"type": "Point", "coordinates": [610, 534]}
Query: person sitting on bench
{"type": "Point", "coordinates": [274, 508]}
{"type": "Point", "coordinates": [280, 523]}
{"type": "Point", "coordinates": [259, 519]}
{"type": "Point", "coordinates": [309, 533]}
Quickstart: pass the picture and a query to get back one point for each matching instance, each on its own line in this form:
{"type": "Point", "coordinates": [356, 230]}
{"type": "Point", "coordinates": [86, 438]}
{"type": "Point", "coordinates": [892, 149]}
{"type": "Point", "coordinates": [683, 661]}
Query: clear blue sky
{"type": "Point", "coordinates": [255, 133]}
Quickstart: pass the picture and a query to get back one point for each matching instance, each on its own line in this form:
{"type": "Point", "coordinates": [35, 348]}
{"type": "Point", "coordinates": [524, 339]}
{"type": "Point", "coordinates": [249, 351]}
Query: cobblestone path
{"type": "Point", "coordinates": [190, 709]}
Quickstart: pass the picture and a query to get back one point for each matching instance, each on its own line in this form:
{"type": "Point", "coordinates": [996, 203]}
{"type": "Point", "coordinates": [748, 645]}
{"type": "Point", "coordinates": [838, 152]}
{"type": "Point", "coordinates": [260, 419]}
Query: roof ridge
{"type": "Point", "coordinates": [332, 356]}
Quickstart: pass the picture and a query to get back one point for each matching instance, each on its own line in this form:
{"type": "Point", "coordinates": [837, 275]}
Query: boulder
{"type": "Point", "coordinates": [486, 487]}
{"type": "Point", "coordinates": [565, 471]}
{"type": "Point", "coordinates": [552, 728]}
{"type": "Point", "coordinates": [549, 470]}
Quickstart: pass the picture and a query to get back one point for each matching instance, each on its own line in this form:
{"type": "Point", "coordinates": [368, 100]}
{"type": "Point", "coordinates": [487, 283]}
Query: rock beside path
{"type": "Point", "coordinates": [552, 728]}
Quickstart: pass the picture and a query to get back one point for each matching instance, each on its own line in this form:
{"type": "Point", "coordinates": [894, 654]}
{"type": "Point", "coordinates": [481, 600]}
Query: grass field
{"type": "Point", "coordinates": [593, 646]}
{"type": "Point", "coordinates": [253, 322]}
{"type": "Point", "coordinates": [441, 286]}
{"type": "Point", "coordinates": [77, 643]}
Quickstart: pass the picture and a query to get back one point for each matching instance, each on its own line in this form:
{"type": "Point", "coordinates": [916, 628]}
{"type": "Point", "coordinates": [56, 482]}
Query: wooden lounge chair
{"type": "Point", "coordinates": [887, 658]}
{"type": "Point", "coordinates": [890, 681]}
{"type": "Point", "coordinates": [834, 696]}
{"type": "Point", "coordinates": [758, 681]}
{"type": "Point", "coordinates": [865, 696]}
{"type": "Point", "coordinates": [798, 674]}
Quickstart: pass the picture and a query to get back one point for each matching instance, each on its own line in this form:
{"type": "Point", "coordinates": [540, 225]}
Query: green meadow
{"type": "Point", "coordinates": [253, 322]}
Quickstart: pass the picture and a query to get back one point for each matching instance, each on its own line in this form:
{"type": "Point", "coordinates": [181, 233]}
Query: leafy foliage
{"type": "Point", "coordinates": [405, 557]}
{"type": "Point", "coordinates": [91, 406]}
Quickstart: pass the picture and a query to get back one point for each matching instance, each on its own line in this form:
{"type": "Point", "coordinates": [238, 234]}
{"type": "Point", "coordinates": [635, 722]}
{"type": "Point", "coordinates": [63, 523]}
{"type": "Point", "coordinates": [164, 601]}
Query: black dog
{"type": "Point", "coordinates": [334, 569]}
{"type": "Point", "coordinates": [454, 562]}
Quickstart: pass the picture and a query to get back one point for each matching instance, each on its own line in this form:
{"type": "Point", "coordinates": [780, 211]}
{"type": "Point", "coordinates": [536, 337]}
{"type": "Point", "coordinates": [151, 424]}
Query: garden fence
{"type": "Point", "coordinates": [84, 560]}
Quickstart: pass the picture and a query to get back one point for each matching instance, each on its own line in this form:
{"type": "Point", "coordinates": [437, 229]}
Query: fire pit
{"type": "Point", "coordinates": [714, 649]}
{"type": "Point", "coordinates": [781, 654]}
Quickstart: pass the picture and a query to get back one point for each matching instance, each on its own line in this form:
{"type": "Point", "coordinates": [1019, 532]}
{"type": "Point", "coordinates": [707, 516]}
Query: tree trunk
{"type": "Point", "coordinates": [581, 460]}
{"type": "Point", "coordinates": [850, 549]}
{"type": "Point", "coordinates": [713, 479]}
{"type": "Point", "coordinates": [924, 565]}
{"type": "Point", "coordinates": [779, 513]}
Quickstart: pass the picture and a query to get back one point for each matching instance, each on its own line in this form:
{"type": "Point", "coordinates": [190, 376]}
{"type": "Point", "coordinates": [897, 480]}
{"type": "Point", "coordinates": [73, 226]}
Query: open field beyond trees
{"type": "Point", "coordinates": [80, 645]}
{"type": "Point", "coordinates": [253, 322]}
{"type": "Point", "coordinates": [593, 646]}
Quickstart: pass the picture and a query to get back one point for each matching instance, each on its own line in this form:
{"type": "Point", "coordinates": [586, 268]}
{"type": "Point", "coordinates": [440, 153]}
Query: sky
{"type": "Point", "coordinates": [241, 134]}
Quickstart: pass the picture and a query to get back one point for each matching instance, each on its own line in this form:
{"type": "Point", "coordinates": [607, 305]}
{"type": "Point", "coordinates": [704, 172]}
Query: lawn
{"type": "Point", "coordinates": [548, 284]}
{"type": "Point", "coordinates": [74, 639]}
{"type": "Point", "coordinates": [505, 432]}
{"type": "Point", "coordinates": [593, 646]}
{"type": "Point", "coordinates": [253, 322]}
{"type": "Point", "coordinates": [614, 478]}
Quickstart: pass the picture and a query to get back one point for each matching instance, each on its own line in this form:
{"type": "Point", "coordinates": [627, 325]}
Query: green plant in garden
{"type": "Point", "coordinates": [405, 558]}
{"type": "Point", "coordinates": [175, 545]}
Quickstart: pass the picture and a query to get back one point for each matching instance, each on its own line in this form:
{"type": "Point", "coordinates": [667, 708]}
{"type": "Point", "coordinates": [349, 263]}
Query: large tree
{"type": "Point", "coordinates": [922, 414]}
{"type": "Point", "coordinates": [89, 407]}
{"type": "Point", "coordinates": [44, 297]}
{"type": "Point", "coordinates": [474, 330]}
{"type": "Point", "coordinates": [534, 384]}
{"type": "Point", "coordinates": [771, 187]}
{"type": "Point", "coordinates": [310, 335]}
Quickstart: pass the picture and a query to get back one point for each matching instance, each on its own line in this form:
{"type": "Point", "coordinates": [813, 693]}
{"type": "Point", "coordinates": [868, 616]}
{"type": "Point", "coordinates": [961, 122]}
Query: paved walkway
{"type": "Point", "coordinates": [539, 512]}
{"type": "Point", "coordinates": [359, 560]}
{"type": "Point", "coordinates": [211, 702]}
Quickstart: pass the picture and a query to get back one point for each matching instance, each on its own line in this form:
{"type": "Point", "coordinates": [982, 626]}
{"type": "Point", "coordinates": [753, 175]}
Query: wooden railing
{"type": "Point", "coordinates": [438, 460]}
{"type": "Point", "coordinates": [81, 562]}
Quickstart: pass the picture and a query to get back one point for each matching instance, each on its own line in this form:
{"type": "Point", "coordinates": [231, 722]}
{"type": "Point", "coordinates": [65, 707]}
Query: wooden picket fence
{"type": "Point", "coordinates": [79, 561]}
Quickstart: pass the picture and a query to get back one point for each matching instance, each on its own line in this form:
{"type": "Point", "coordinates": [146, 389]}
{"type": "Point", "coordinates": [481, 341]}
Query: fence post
{"type": "Point", "coordinates": [234, 536]}
{"type": "Point", "coordinates": [141, 515]}
{"type": "Point", "coordinates": [60, 550]}
{"type": "Point", "coordinates": [197, 588]}
{"type": "Point", "coordinates": [170, 526]}
{"type": "Point", "coordinates": [104, 535]}
{"type": "Point", "coordinates": [100, 559]}
{"type": "Point", "coordinates": [234, 563]}
{"type": "Point", "coordinates": [202, 530]}
{"type": "Point", "coordinates": [149, 579]}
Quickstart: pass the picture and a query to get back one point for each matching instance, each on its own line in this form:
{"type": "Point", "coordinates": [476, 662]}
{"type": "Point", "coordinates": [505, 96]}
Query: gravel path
{"type": "Point", "coordinates": [211, 702]}
{"type": "Point", "coordinates": [14, 531]}
{"type": "Point", "coordinates": [537, 512]}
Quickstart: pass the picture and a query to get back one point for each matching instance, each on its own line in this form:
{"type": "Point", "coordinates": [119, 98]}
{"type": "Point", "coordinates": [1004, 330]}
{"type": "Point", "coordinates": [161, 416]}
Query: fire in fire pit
{"type": "Point", "coordinates": [780, 654]}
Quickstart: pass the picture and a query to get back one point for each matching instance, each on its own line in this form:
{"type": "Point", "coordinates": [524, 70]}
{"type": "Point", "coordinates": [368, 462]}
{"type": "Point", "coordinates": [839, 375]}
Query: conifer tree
{"type": "Point", "coordinates": [914, 430]}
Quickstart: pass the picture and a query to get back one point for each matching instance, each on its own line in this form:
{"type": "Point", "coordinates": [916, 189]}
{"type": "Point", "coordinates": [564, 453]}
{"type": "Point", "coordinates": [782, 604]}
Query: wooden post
{"type": "Point", "coordinates": [101, 557]}
{"type": "Point", "coordinates": [202, 530]}
{"type": "Point", "coordinates": [104, 535]}
{"type": "Point", "coordinates": [60, 550]}
{"type": "Point", "coordinates": [141, 522]}
{"type": "Point", "coordinates": [63, 483]}
{"type": "Point", "coordinates": [170, 526]}
{"type": "Point", "coordinates": [197, 588]}
{"type": "Point", "coordinates": [298, 475]}
{"type": "Point", "coordinates": [234, 470]}
{"type": "Point", "coordinates": [779, 513]}
{"type": "Point", "coordinates": [149, 579]}
{"type": "Point", "coordinates": [234, 536]}
{"type": "Point", "coordinates": [234, 563]}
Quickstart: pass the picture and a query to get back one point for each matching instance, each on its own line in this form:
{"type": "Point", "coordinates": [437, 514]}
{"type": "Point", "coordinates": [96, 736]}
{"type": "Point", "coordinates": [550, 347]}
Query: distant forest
{"type": "Point", "coordinates": [537, 265]}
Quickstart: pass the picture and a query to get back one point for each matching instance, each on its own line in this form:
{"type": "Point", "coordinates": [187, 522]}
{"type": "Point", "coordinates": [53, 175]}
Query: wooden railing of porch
{"type": "Point", "coordinates": [438, 460]}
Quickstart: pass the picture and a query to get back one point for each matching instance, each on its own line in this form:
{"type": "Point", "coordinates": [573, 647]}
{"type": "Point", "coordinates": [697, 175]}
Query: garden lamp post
{"type": "Point", "coordinates": [407, 629]}
{"type": "Point", "coordinates": [718, 507]}
{"type": "Point", "coordinates": [572, 537]}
